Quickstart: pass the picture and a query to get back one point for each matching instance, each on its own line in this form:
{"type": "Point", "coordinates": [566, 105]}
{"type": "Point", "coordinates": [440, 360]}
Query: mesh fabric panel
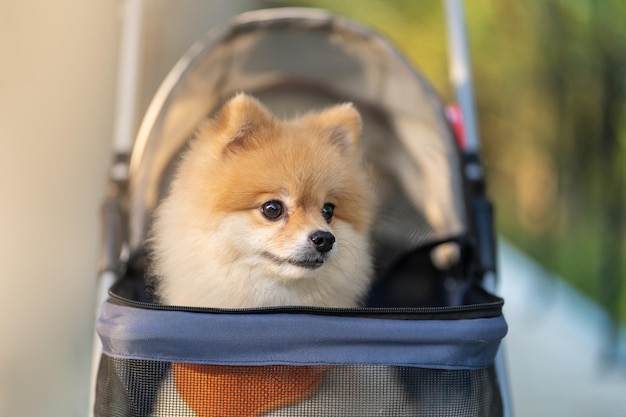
{"type": "Point", "coordinates": [132, 388]}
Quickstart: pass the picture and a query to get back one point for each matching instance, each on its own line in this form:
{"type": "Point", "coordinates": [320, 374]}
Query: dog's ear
{"type": "Point", "coordinates": [231, 128]}
{"type": "Point", "coordinates": [342, 124]}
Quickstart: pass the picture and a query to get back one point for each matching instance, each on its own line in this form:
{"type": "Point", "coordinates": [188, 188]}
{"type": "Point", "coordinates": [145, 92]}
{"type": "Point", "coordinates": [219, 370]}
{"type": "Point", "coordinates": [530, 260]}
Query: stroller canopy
{"type": "Point", "coordinates": [296, 60]}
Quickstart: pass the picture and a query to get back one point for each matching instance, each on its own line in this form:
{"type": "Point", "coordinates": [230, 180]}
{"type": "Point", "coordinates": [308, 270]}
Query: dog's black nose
{"type": "Point", "coordinates": [323, 241]}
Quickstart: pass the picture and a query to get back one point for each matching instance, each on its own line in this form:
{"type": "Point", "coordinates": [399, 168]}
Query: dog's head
{"type": "Point", "coordinates": [289, 193]}
{"type": "Point", "coordinates": [284, 198]}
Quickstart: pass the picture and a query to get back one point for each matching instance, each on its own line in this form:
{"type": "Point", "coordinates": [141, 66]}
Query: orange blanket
{"type": "Point", "coordinates": [244, 391]}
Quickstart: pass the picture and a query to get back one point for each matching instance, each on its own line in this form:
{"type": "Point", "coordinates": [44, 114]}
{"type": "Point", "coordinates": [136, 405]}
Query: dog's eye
{"type": "Point", "coordinates": [327, 211]}
{"type": "Point", "coordinates": [272, 209]}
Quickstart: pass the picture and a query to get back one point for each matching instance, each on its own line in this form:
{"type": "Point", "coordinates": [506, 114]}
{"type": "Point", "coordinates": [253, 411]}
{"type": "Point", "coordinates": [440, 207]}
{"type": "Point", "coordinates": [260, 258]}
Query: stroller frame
{"type": "Point", "coordinates": [481, 224]}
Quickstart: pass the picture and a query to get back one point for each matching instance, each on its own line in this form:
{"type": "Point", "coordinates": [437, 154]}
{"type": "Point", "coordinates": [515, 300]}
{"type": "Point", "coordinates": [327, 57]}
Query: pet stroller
{"type": "Point", "coordinates": [426, 342]}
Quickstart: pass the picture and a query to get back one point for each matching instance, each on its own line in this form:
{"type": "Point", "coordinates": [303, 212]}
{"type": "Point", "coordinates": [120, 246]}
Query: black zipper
{"type": "Point", "coordinates": [488, 309]}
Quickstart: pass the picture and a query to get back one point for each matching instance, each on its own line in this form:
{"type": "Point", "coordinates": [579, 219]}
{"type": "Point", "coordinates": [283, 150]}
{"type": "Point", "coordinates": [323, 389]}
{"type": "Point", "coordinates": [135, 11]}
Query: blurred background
{"type": "Point", "coordinates": [550, 85]}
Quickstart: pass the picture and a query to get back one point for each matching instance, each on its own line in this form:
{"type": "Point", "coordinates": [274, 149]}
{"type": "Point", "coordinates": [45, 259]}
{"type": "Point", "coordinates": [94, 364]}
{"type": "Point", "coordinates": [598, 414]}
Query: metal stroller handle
{"type": "Point", "coordinates": [460, 71]}
{"type": "Point", "coordinates": [461, 78]}
{"type": "Point", "coordinates": [123, 138]}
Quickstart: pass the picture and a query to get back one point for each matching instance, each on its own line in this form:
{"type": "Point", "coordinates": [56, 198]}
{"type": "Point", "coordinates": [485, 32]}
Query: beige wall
{"type": "Point", "coordinates": [58, 63]}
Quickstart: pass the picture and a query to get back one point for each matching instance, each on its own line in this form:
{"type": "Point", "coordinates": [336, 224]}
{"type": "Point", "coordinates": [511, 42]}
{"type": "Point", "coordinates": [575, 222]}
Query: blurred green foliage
{"type": "Point", "coordinates": [550, 85]}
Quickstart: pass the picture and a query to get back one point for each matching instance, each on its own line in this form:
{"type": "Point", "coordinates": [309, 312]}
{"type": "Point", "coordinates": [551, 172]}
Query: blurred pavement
{"type": "Point", "coordinates": [554, 346]}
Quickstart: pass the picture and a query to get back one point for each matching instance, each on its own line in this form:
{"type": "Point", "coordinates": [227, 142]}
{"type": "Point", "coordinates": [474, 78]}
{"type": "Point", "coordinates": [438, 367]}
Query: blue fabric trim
{"type": "Point", "coordinates": [297, 339]}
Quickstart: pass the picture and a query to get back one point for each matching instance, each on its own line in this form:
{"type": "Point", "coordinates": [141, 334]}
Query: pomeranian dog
{"type": "Point", "coordinates": [269, 212]}
{"type": "Point", "coordinates": [266, 212]}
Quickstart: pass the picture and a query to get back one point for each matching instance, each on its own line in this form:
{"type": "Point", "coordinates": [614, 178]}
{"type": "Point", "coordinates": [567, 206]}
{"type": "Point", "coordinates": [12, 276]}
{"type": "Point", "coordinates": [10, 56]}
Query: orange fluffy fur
{"type": "Point", "coordinates": [211, 244]}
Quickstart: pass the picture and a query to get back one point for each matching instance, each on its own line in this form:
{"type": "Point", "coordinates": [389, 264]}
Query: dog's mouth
{"type": "Point", "coordinates": [304, 262]}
